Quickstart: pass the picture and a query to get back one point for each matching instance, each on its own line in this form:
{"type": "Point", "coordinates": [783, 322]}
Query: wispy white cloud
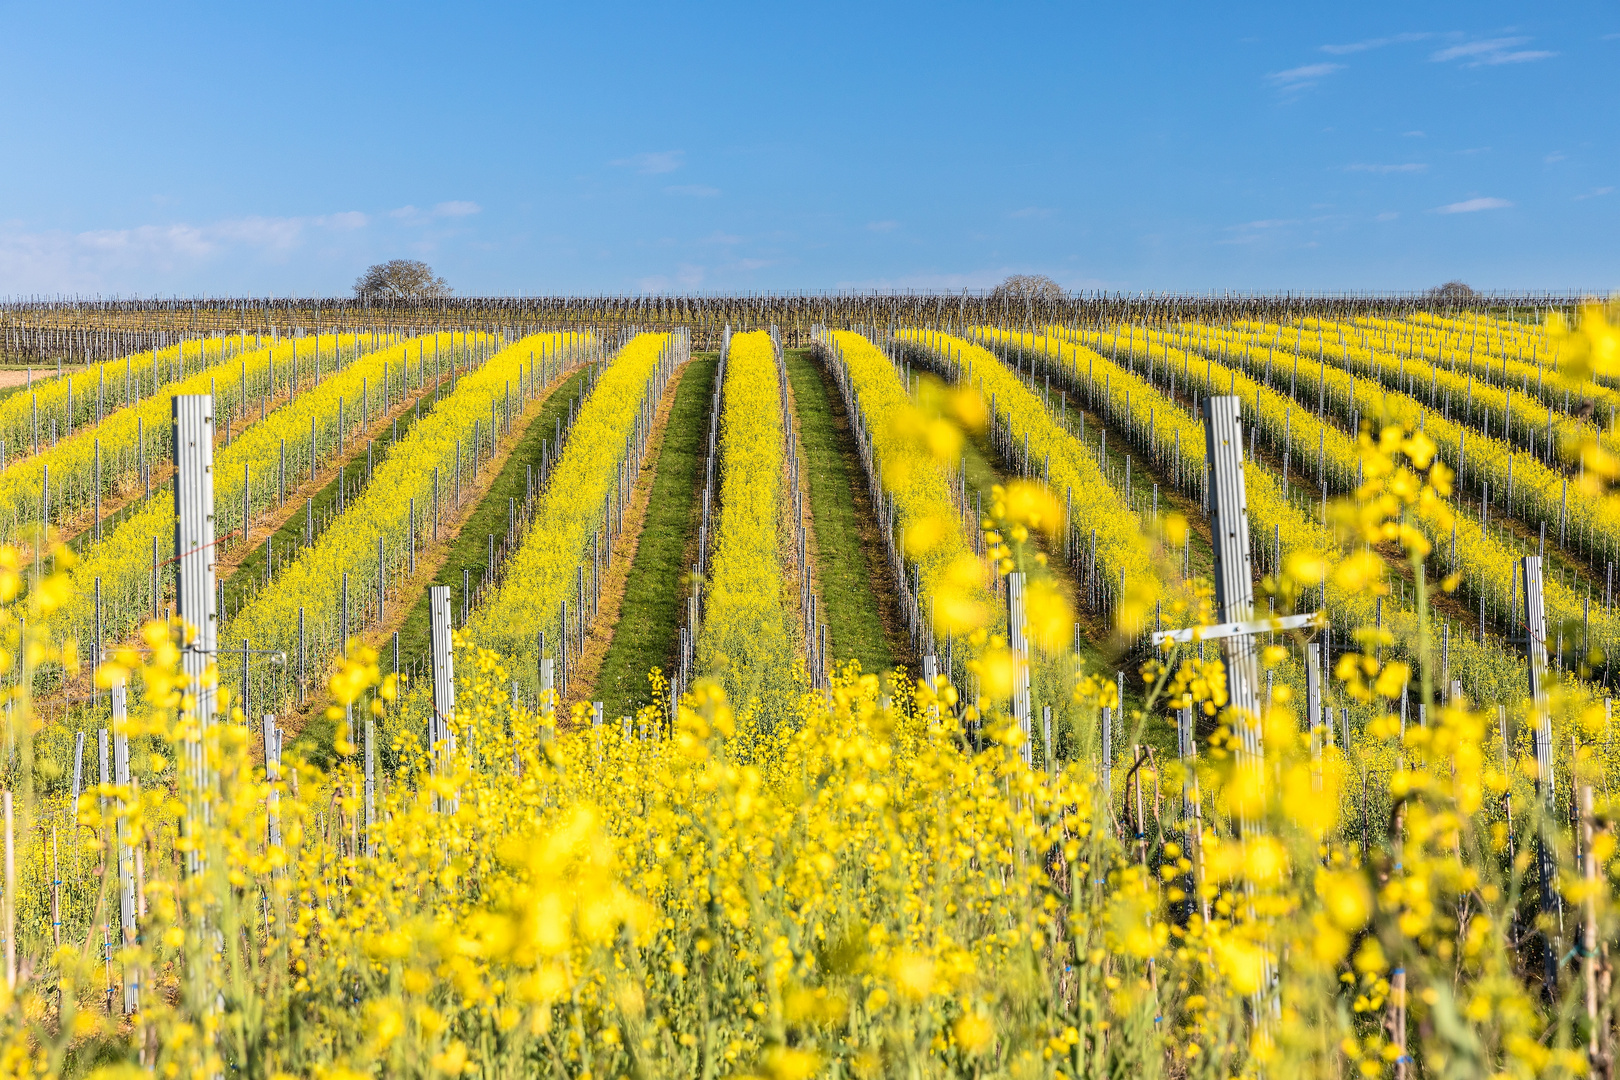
{"type": "Point", "coordinates": [1375, 43]}
{"type": "Point", "coordinates": [652, 162]}
{"type": "Point", "coordinates": [1266, 223]}
{"type": "Point", "coordinates": [1469, 206]}
{"type": "Point", "coordinates": [1300, 78]}
{"type": "Point", "coordinates": [347, 220]}
{"type": "Point", "coordinates": [415, 215]}
{"type": "Point", "coordinates": [1595, 193]}
{"type": "Point", "coordinates": [143, 257]}
{"type": "Point", "coordinates": [1412, 134]}
{"type": "Point", "coordinates": [1250, 231]}
{"type": "Point", "coordinates": [696, 191]}
{"type": "Point", "coordinates": [688, 277]}
{"type": "Point", "coordinates": [882, 226]}
{"type": "Point", "coordinates": [1408, 167]}
{"type": "Point", "coordinates": [1490, 51]}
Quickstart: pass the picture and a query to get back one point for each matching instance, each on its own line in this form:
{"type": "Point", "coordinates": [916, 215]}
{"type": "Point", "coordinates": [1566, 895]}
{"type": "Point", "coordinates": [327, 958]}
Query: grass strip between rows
{"type": "Point", "coordinates": [854, 589]}
{"type": "Point", "coordinates": [469, 548]}
{"type": "Point", "coordinates": [745, 641]}
{"type": "Point", "coordinates": [644, 637]}
{"type": "Point", "coordinates": [457, 434]}
{"type": "Point", "coordinates": [545, 571]}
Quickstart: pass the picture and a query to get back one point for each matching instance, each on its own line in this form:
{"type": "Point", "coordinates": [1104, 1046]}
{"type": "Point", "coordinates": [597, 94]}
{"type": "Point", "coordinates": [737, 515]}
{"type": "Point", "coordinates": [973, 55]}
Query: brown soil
{"type": "Point", "coordinates": [78, 687]}
{"type": "Point", "coordinates": [432, 555]}
{"type": "Point", "coordinates": [268, 524]}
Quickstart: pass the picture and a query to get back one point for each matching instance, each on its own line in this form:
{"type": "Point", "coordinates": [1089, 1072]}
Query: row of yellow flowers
{"type": "Point", "coordinates": [1474, 344]}
{"type": "Point", "coordinates": [1487, 333]}
{"type": "Point", "coordinates": [1485, 561]}
{"type": "Point", "coordinates": [1292, 541]}
{"type": "Point", "coordinates": [1566, 379]}
{"type": "Point", "coordinates": [745, 641]}
{"type": "Point", "coordinates": [397, 506]}
{"type": "Point", "coordinates": [306, 426]}
{"type": "Point", "coordinates": [1573, 509]}
{"type": "Point", "coordinates": [541, 575]}
{"type": "Point", "coordinates": [43, 406]}
{"type": "Point", "coordinates": [129, 437]}
{"type": "Point", "coordinates": [915, 449]}
{"type": "Point", "coordinates": [1513, 397]}
{"type": "Point", "coordinates": [1128, 563]}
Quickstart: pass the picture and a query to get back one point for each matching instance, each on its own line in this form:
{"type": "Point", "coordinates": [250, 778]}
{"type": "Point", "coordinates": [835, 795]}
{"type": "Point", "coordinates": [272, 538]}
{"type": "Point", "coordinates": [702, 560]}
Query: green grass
{"type": "Point", "coordinates": [470, 549]}
{"type": "Point", "coordinates": [649, 617]}
{"type": "Point", "coordinates": [851, 575]}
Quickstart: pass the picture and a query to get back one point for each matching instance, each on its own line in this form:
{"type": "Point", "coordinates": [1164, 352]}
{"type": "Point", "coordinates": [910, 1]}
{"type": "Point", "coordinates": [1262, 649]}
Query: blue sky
{"type": "Point", "coordinates": [280, 148]}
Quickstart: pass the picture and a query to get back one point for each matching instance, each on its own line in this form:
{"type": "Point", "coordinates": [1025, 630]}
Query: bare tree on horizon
{"type": "Point", "coordinates": [404, 280]}
{"type": "Point", "coordinates": [1451, 291]}
{"type": "Point", "coordinates": [1029, 287]}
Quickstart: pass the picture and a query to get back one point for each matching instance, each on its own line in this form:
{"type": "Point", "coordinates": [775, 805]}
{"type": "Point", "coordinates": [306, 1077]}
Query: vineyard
{"type": "Point", "coordinates": [811, 686]}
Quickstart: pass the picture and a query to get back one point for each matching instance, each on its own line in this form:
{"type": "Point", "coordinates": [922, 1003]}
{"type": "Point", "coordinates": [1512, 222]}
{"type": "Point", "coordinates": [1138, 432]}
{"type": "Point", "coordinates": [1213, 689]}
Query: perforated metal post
{"type": "Point", "coordinates": [104, 761]}
{"type": "Point", "coordinates": [1020, 652]}
{"type": "Point", "coordinates": [1234, 590]}
{"type": "Point", "coordinates": [195, 595]}
{"type": "Point", "coordinates": [272, 773]}
{"type": "Point", "coordinates": [371, 786]}
{"type": "Point", "coordinates": [1234, 581]}
{"type": "Point", "coordinates": [548, 691]}
{"type": "Point", "coordinates": [193, 416]}
{"type": "Point", "coordinates": [78, 769]}
{"type": "Point", "coordinates": [444, 680]}
{"type": "Point", "coordinates": [1313, 694]}
{"type": "Point", "coordinates": [930, 671]}
{"type": "Point", "coordinates": [1107, 769]}
{"type": "Point", "coordinates": [1047, 761]}
{"type": "Point", "coordinates": [126, 851]}
{"type": "Point", "coordinates": [1535, 622]}
{"type": "Point", "coordinates": [106, 774]}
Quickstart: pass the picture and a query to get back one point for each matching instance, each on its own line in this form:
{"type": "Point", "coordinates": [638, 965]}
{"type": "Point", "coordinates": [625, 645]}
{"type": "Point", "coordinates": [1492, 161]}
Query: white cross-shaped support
{"type": "Point", "coordinates": [1234, 577]}
{"type": "Point", "coordinates": [1251, 628]}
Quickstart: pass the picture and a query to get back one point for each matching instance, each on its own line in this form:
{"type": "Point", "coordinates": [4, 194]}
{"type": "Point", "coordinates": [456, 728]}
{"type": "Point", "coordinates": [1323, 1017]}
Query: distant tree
{"type": "Point", "coordinates": [400, 281]}
{"type": "Point", "coordinates": [1028, 287]}
{"type": "Point", "coordinates": [1451, 292]}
